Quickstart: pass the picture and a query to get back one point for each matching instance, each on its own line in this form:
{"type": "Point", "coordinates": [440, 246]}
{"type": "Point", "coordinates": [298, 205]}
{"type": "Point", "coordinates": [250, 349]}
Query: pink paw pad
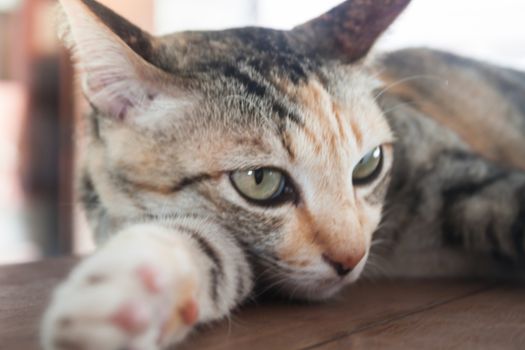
{"type": "Point", "coordinates": [132, 318]}
{"type": "Point", "coordinates": [189, 313]}
{"type": "Point", "coordinates": [150, 278]}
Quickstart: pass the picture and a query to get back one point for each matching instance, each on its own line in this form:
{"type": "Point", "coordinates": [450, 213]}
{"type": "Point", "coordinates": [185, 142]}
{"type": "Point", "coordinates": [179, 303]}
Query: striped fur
{"type": "Point", "coordinates": [174, 116]}
{"type": "Point", "coordinates": [455, 206]}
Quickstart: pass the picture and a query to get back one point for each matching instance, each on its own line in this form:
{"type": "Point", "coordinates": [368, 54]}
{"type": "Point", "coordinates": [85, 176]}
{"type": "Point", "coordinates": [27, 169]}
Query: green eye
{"type": "Point", "coordinates": [263, 186]}
{"type": "Point", "coordinates": [369, 167]}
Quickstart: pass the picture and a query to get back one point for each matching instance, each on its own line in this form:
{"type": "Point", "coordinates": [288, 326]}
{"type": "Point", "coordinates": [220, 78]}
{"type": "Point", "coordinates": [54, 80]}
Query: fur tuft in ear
{"type": "Point", "coordinates": [348, 31]}
{"type": "Point", "coordinates": [111, 54]}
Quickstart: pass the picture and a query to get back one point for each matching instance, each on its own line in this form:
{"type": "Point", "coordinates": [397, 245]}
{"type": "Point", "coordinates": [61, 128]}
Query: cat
{"type": "Point", "coordinates": [221, 165]}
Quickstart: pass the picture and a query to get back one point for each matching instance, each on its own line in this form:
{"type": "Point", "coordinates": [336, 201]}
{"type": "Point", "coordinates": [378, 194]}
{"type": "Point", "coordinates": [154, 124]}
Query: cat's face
{"type": "Point", "coordinates": [277, 140]}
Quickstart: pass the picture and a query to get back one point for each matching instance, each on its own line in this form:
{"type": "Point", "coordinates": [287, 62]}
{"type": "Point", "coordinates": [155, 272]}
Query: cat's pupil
{"type": "Point", "coordinates": [258, 175]}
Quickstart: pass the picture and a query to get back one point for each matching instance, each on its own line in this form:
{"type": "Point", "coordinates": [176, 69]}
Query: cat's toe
{"type": "Point", "coordinates": [132, 318]}
{"type": "Point", "coordinates": [144, 307]}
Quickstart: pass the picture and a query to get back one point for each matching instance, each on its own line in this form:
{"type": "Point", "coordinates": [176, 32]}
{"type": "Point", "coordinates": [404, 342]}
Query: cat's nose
{"type": "Point", "coordinates": [343, 265]}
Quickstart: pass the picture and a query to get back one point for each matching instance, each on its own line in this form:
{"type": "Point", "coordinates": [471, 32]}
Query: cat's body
{"type": "Point", "coordinates": [218, 162]}
{"type": "Point", "coordinates": [456, 204]}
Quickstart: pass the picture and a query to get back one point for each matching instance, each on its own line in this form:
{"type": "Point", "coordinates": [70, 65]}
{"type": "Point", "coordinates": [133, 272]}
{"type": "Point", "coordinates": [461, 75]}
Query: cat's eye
{"type": "Point", "coordinates": [369, 167]}
{"type": "Point", "coordinates": [264, 186]}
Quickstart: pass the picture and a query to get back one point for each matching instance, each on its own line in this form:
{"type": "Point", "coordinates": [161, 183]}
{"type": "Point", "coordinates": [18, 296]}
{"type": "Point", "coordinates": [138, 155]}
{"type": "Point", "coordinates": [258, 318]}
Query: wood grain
{"type": "Point", "coordinates": [24, 292]}
{"type": "Point", "coordinates": [309, 326]}
{"type": "Point", "coordinates": [490, 319]}
{"type": "Point", "coordinates": [371, 315]}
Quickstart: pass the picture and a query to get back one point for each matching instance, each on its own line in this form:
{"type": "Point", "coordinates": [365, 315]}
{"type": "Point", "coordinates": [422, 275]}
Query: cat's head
{"type": "Point", "coordinates": [272, 135]}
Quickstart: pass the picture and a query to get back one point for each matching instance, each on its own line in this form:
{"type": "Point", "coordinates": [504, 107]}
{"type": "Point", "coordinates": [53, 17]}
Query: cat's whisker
{"type": "Point", "coordinates": [294, 292]}
{"type": "Point", "coordinates": [277, 281]}
{"type": "Point", "coordinates": [375, 265]}
{"type": "Point", "coordinates": [377, 241]}
{"type": "Point", "coordinates": [229, 319]}
{"type": "Point", "coordinates": [399, 105]}
{"type": "Point", "coordinates": [373, 73]}
{"type": "Point", "coordinates": [407, 79]}
{"type": "Point", "coordinates": [275, 263]}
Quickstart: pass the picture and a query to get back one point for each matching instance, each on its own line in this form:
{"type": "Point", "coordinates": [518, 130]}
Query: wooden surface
{"type": "Point", "coordinates": [379, 315]}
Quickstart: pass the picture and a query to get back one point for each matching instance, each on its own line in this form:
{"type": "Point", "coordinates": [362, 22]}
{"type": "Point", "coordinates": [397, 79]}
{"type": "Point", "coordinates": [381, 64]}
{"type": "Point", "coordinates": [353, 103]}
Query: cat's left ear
{"type": "Point", "coordinates": [348, 31]}
{"type": "Point", "coordinates": [115, 58]}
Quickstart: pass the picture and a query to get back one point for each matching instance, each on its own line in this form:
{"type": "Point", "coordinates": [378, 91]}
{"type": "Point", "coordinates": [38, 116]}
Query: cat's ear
{"type": "Point", "coordinates": [348, 31]}
{"type": "Point", "coordinates": [113, 56]}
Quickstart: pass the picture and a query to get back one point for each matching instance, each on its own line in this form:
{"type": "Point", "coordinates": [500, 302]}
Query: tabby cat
{"type": "Point", "coordinates": [220, 165]}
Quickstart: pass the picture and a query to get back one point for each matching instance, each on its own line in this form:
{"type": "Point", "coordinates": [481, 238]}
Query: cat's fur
{"type": "Point", "coordinates": [174, 116]}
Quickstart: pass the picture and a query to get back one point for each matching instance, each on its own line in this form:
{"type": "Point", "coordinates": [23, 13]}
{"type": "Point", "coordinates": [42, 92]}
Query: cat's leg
{"type": "Point", "coordinates": [482, 208]}
{"type": "Point", "coordinates": [449, 211]}
{"type": "Point", "coordinates": [473, 206]}
{"type": "Point", "coordinates": [146, 289]}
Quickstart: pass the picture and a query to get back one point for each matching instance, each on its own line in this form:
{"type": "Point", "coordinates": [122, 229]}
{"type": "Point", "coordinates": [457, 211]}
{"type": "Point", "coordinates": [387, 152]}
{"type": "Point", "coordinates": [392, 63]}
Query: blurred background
{"type": "Point", "coordinates": [40, 106]}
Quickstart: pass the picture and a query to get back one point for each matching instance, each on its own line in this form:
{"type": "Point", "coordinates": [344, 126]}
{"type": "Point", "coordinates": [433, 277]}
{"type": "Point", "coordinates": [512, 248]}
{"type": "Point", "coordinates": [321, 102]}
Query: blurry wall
{"type": "Point", "coordinates": [30, 156]}
{"type": "Point", "coordinates": [487, 30]}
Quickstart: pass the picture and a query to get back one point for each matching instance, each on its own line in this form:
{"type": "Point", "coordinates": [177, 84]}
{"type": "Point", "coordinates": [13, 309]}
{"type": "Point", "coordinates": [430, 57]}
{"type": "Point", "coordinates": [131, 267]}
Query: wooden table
{"type": "Point", "coordinates": [370, 315]}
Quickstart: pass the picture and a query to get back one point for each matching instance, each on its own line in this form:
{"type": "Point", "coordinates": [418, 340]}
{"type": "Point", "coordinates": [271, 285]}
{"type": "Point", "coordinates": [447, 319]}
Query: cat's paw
{"type": "Point", "coordinates": [140, 296]}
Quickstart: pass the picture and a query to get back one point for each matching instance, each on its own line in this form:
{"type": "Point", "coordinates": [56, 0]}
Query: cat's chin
{"type": "Point", "coordinates": [316, 290]}
{"type": "Point", "coordinates": [323, 294]}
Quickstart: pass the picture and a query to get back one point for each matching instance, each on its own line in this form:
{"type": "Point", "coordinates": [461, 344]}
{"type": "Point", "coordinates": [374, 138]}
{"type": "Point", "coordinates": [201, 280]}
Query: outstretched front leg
{"type": "Point", "coordinates": [147, 289]}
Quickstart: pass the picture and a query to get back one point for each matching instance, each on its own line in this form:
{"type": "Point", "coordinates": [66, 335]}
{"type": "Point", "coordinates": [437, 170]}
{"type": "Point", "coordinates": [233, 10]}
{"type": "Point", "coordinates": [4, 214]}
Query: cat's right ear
{"type": "Point", "coordinates": [348, 31]}
{"type": "Point", "coordinates": [114, 59]}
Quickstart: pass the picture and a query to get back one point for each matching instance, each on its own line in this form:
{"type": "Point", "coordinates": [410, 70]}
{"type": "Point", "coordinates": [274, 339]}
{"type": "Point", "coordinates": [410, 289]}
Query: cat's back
{"type": "Point", "coordinates": [482, 103]}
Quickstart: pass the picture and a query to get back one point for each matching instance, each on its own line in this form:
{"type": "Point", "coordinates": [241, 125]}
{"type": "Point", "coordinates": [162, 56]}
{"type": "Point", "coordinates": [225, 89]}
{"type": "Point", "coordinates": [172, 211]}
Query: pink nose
{"type": "Point", "coordinates": [343, 265]}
